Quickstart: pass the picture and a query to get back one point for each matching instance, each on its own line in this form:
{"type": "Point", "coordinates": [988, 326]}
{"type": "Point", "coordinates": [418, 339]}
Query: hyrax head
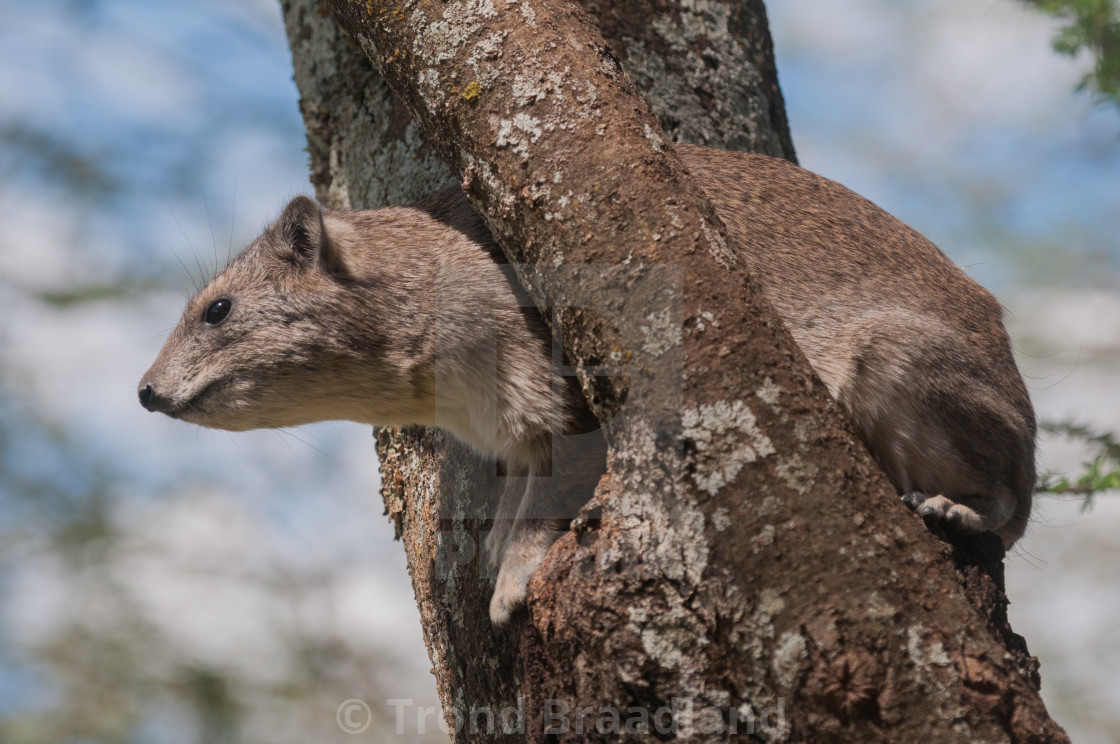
{"type": "Point", "coordinates": [285, 335]}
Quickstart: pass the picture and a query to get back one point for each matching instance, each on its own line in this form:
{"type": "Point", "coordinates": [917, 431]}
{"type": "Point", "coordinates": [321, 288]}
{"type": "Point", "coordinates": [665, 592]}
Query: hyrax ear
{"type": "Point", "coordinates": [301, 236]}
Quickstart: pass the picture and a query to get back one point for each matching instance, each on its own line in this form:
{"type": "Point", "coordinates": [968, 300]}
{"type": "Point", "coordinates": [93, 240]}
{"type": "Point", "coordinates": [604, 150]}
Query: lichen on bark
{"type": "Point", "coordinates": [365, 150]}
{"type": "Point", "coordinates": [705, 67]}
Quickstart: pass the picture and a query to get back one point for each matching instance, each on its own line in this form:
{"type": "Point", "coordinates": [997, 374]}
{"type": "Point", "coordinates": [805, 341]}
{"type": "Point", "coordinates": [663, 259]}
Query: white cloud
{"type": "Point", "coordinates": [838, 29]}
{"type": "Point", "coordinates": [112, 67]}
{"type": "Point", "coordinates": [1064, 602]}
{"type": "Point", "coordinates": [935, 70]}
{"type": "Point", "coordinates": [37, 248]}
{"type": "Point", "coordinates": [228, 590]}
{"type": "Point", "coordinates": [987, 64]}
{"type": "Point", "coordinates": [132, 79]}
{"type": "Point", "coordinates": [28, 87]}
{"type": "Point", "coordinates": [1054, 321]}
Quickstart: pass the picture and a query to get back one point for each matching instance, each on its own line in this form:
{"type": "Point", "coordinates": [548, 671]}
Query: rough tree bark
{"type": "Point", "coordinates": [705, 67]}
{"type": "Point", "coordinates": [799, 584]}
{"type": "Point", "coordinates": [365, 153]}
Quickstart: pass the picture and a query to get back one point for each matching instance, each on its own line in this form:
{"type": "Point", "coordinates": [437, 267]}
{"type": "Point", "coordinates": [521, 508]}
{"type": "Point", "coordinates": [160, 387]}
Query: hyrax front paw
{"type": "Point", "coordinates": [946, 510]}
{"type": "Point", "coordinates": [523, 556]}
{"type": "Point", "coordinates": [509, 592]}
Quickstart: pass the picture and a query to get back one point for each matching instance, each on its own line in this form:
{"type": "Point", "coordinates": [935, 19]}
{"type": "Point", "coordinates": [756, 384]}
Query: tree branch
{"type": "Point", "coordinates": [777, 572]}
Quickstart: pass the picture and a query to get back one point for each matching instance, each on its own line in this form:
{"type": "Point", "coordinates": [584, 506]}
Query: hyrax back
{"type": "Point", "coordinates": [408, 315]}
{"type": "Point", "coordinates": [913, 349]}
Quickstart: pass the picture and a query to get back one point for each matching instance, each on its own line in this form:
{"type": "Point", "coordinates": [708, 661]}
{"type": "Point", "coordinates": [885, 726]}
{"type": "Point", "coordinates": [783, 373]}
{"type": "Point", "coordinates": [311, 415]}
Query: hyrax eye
{"type": "Point", "coordinates": [217, 312]}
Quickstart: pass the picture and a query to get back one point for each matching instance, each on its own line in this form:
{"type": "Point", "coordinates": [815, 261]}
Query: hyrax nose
{"type": "Point", "coordinates": [149, 399]}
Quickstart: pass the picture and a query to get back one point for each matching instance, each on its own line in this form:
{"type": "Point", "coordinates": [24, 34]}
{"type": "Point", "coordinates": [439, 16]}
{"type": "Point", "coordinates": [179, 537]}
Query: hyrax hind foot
{"type": "Point", "coordinates": [946, 510]}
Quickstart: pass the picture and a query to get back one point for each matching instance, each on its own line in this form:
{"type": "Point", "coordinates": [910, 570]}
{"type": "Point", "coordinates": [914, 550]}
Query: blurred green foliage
{"type": "Point", "coordinates": [57, 161]}
{"type": "Point", "coordinates": [1092, 26]}
{"type": "Point", "coordinates": [1102, 471]}
{"type": "Point", "coordinates": [122, 288]}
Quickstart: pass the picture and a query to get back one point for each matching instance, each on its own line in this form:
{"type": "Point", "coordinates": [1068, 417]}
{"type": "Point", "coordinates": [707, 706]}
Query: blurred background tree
{"type": "Point", "coordinates": [1092, 27]}
{"type": "Point", "coordinates": [1089, 27]}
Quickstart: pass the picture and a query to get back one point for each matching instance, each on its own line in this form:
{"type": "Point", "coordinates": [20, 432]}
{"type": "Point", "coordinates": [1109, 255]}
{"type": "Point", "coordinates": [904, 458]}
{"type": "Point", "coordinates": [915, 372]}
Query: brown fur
{"type": "Point", "coordinates": [409, 315]}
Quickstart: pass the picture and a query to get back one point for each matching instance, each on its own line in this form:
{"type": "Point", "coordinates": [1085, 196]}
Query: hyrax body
{"type": "Point", "coordinates": [408, 315]}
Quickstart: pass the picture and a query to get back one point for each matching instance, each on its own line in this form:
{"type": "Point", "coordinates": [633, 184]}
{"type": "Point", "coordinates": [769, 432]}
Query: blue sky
{"type": "Point", "coordinates": [956, 116]}
{"type": "Point", "coordinates": [953, 114]}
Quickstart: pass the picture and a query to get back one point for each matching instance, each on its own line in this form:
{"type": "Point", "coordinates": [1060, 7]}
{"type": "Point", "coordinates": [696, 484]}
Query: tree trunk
{"type": "Point", "coordinates": [366, 153]}
{"type": "Point", "coordinates": [705, 68]}
{"type": "Point", "coordinates": [681, 588]}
